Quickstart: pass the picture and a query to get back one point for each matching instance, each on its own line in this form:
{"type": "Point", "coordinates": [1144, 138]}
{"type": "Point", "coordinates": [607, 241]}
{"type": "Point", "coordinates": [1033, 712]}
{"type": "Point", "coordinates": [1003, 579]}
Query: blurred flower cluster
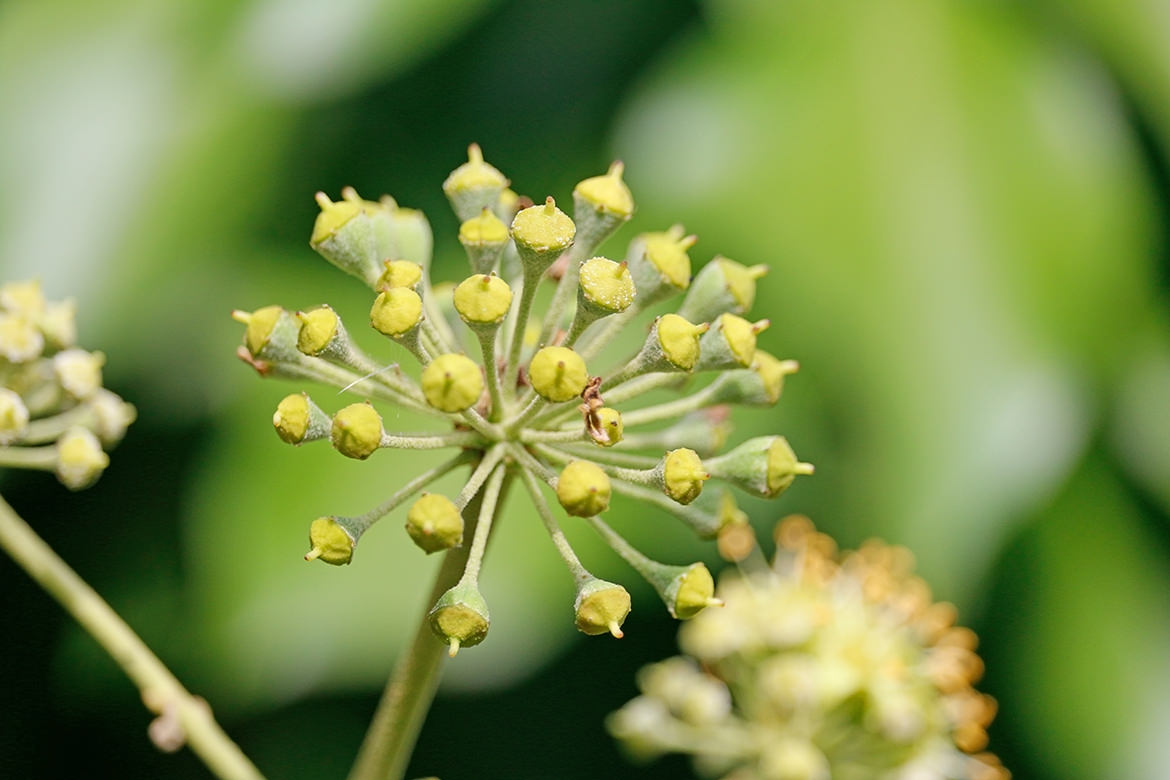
{"type": "Point", "coordinates": [536, 409]}
{"type": "Point", "coordinates": [822, 666]}
{"type": "Point", "coordinates": [54, 413]}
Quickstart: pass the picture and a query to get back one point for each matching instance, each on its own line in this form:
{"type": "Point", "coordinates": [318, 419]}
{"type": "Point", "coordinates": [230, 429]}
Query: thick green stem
{"type": "Point", "coordinates": [159, 687]}
{"type": "Point", "coordinates": [386, 749]}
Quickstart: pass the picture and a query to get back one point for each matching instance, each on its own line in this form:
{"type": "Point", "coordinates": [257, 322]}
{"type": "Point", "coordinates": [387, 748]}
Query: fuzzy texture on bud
{"type": "Point", "coordinates": [483, 300]}
{"type": "Point", "coordinates": [679, 340]}
{"type": "Point", "coordinates": [583, 489]}
{"type": "Point", "coordinates": [80, 459]}
{"type": "Point", "coordinates": [606, 286]}
{"type": "Point", "coordinates": [452, 383]}
{"type": "Point", "coordinates": [357, 431]}
{"type": "Point", "coordinates": [683, 475]}
{"type": "Point", "coordinates": [396, 311]}
{"type": "Point", "coordinates": [542, 232]}
{"type": "Point", "coordinates": [460, 617]}
{"type": "Point", "coordinates": [318, 329]}
{"type": "Point", "coordinates": [608, 193]}
{"type": "Point", "coordinates": [434, 523]}
{"type": "Point", "coordinates": [399, 273]}
{"type": "Point", "coordinates": [329, 541]}
{"type": "Point", "coordinates": [557, 373]}
{"type": "Point", "coordinates": [601, 608]}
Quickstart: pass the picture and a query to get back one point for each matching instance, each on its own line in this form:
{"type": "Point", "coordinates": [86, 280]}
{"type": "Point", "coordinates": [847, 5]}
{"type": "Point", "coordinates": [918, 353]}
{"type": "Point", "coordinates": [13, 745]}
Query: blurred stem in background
{"type": "Point", "coordinates": [182, 718]}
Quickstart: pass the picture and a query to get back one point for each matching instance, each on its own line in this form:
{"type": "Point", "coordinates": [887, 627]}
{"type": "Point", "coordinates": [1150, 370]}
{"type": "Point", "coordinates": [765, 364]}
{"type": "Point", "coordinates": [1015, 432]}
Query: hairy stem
{"type": "Point", "coordinates": [158, 685]}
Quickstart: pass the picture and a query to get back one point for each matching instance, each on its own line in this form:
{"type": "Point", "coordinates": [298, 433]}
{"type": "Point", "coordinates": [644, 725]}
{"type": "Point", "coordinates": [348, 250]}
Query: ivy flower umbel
{"type": "Point", "coordinates": [54, 413]}
{"type": "Point", "coordinates": [821, 666]}
{"type": "Point", "coordinates": [527, 396]}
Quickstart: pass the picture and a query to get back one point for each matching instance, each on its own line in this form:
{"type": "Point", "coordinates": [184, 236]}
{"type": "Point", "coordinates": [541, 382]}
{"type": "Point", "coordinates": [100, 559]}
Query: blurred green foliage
{"type": "Point", "coordinates": [964, 205]}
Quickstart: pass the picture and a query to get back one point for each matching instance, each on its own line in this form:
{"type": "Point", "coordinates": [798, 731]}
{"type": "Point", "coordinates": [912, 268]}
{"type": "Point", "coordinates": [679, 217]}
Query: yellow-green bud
{"type": "Point", "coordinates": [400, 233]}
{"type": "Point", "coordinates": [58, 324]}
{"type": "Point", "coordinates": [357, 430]}
{"type": "Point", "coordinates": [484, 238]}
{"type": "Point", "coordinates": [583, 489]}
{"type": "Point", "coordinates": [396, 312]}
{"type": "Point", "coordinates": [691, 592]}
{"type": "Point", "coordinates": [601, 607]}
{"type": "Point", "coordinates": [660, 264]}
{"type": "Point", "coordinates": [721, 286]}
{"type": "Point", "coordinates": [679, 340]}
{"type": "Point", "coordinates": [329, 541]}
{"type": "Point", "coordinates": [318, 329]}
{"type": "Point", "coordinates": [607, 194]}
{"type": "Point", "coordinates": [759, 385]}
{"type": "Point", "coordinates": [344, 234]}
{"type": "Point", "coordinates": [20, 340]}
{"type": "Point", "coordinates": [399, 273]}
{"type": "Point", "coordinates": [474, 185]}
{"type": "Point", "coordinates": [483, 300]}
{"type": "Point", "coordinates": [609, 428]}
{"type": "Point", "coordinates": [460, 617]}
{"type": "Point", "coordinates": [606, 286]}
{"type": "Point", "coordinates": [79, 372]}
{"type": "Point", "coordinates": [80, 459]}
{"type": "Point", "coordinates": [730, 343]}
{"type": "Point", "coordinates": [541, 234]}
{"type": "Point", "coordinates": [435, 523]}
{"type": "Point", "coordinates": [297, 420]}
{"type": "Point", "coordinates": [13, 416]}
{"type": "Point", "coordinates": [452, 383]}
{"type": "Point", "coordinates": [683, 475]}
{"type": "Point", "coordinates": [765, 466]}
{"type": "Point", "coordinates": [270, 331]}
{"type": "Point", "coordinates": [112, 416]}
{"type": "Point", "coordinates": [23, 298]}
{"type": "Point", "coordinates": [557, 373]}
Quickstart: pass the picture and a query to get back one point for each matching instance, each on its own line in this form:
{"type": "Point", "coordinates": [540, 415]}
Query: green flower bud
{"type": "Point", "coordinates": [721, 286]}
{"type": "Point", "coordinates": [80, 459]}
{"type": "Point", "coordinates": [557, 373]}
{"type": "Point", "coordinates": [320, 328]}
{"type": "Point", "coordinates": [678, 340]}
{"type": "Point", "coordinates": [765, 466]}
{"type": "Point", "coordinates": [112, 416]}
{"type": "Point", "coordinates": [474, 185]}
{"type": "Point", "coordinates": [601, 607]}
{"type": "Point", "coordinates": [690, 592]}
{"type": "Point", "coordinates": [20, 339]}
{"type": "Point", "coordinates": [601, 205]}
{"type": "Point", "coordinates": [13, 416]}
{"type": "Point", "coordinates": [435, 523]}
{"type": "Point", "coordinates": [357, 431]}
{"type": "Point", "coordinates": [452, 383]}
{"type": "Point", "coordinates": [460, 617]}
{"type": "Point", "coordinates": [329, 541]}
{"type": "Point", "coordinates": [730, 343]}
{"type": "Point", "coordinates": [605, 427]}
{"type": "Point", "coordinates": [344, 235]}
{"type": "Point", "coordinates": [297, 420]}
{"type": "Point", "coordinates": [484, 238]}
{"type": "Point", "coordinates": [541, 234]}
{"type": "Point", "coordinates": [399, 273]}
{"type": "Point", "coordinates": [270, 332]}
{"type": "Point", "coordinates": [660, 264]}
{"type": "Point", "coordinates": [79, 372]}
{"type": "Point", "coordinates": [682, 475]}
{"type": "Point", "coordinates": [759, 385]}
{"type": "Point", "coordinates": [396, 312]}
{"type": "Point", "coordinates": [483, 300]}
{"type": "Point", "coordinates": [607, 194]}
{"type": "Point", "coordinates": [583, 489]}
{"type": "Point", "coordinates": [605, 286]}
{"type": "Point", "coordinates": [400, 233]}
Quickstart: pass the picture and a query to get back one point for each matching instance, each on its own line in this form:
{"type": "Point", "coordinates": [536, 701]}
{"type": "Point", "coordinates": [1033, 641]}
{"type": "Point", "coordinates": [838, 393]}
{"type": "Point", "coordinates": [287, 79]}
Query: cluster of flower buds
{"type": "Point", "coordinates": [820, 666]}
{"type": "Point", "coordinates": [54, 413]}
{"type": "Point", "coordinates": [545, 405]}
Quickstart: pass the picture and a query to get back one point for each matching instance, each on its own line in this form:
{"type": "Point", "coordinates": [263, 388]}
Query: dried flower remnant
{"type": "Point", "coordinates": [528, 395]}
{"type": "Point", "coordinates": [823, 666]}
